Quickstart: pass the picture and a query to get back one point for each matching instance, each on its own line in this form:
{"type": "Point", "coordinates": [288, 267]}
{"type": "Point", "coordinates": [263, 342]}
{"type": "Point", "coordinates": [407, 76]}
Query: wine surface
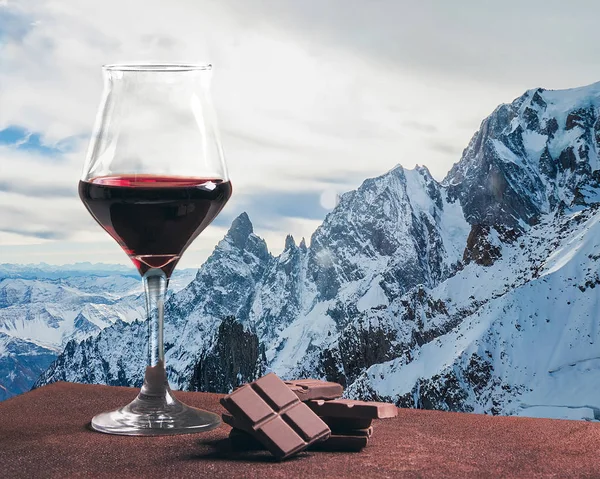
{"type": "Point", "coordinates": [154, 218]}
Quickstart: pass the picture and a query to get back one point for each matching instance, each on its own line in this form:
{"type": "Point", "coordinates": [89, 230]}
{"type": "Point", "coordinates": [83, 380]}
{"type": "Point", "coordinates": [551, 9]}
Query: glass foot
{"type": "Point", "coordinates": [155, 412]}
{"type": "Point", "coordinates": [155, 416]}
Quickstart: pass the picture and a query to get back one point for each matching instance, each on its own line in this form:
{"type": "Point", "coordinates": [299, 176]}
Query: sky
{"type": "Point", "coordinates": [312, 98]}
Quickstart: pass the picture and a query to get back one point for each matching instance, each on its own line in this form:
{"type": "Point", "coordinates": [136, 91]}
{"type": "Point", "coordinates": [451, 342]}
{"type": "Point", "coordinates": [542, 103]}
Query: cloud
{"type": "Point", "coordinates": [43, 234]}
{"type": "Point", "coordinates": [39, 190]}
{"type": "Point", "coordinates": [328, 110]}
{"type": "Point", "coordinates": [510, 42]}
{"type": "Point", "coordinates": [261, 141]}
{"type": "Point", "coordinates": [166, 42]}
{"type": "Point", "coordinates": [311, 96]}
{"type": "Point", "coordinates": [446, 147]}
{"type": "Point", "coordinates": [63, 219]}
{"type": "Point", "coordinates": [419, 126]}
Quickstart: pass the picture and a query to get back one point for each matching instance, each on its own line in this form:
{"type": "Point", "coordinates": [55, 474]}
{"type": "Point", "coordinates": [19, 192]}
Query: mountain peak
{"type": "Point", "coordinates": [289, 242]}
{"type": "Point", "coordinates": [529, 157]}
{"type": "Point", "coordinates": [240, 229]}
{"type": "Point", "coordinates": [398, 169]}
{"type": "Point", "coordinates": [378, 182]}
{"type": "Point", "coordinates": [423, 170]}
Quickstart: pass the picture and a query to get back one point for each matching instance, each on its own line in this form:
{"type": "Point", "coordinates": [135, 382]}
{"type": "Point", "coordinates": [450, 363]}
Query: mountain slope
{"type": "Point", "coordinates": [528, 334]}
{"type": "Point", "coordinates": [21, 363]}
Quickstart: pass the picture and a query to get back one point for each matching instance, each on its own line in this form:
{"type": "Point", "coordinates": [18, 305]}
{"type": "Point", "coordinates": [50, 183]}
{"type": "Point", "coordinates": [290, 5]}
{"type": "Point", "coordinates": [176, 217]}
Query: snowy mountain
{"type": "Point", "coordinates": [473, 294]}
{"type": "Point", "coordinates": [20, 364]}
{"type": "Point", "coordinates": [43, 307]}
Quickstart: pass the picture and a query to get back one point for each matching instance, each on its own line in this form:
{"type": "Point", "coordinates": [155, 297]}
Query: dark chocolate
{"type": "Point", "coordinates": [349, 408]}
{"type": "Point", "coordinates": [307, 389]}
{"type": "Point", "coordinates": [274, 415]}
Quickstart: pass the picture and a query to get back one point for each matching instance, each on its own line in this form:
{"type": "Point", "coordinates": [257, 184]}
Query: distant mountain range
{"type": "Point", "coordinates": [43, 307]}
{"type": "Point", "coordinates": [477, 293]}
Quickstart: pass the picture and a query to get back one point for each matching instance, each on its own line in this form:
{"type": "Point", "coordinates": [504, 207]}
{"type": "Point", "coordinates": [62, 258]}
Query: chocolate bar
{"type": "Point", "coordinates": [340, 425]}
{"type": "Point", "coordinates": [275, 416]}
{"type": "Point", "coordinates": [307, 389]}
{"type": "Point", "coordinates": [237, 425]}
{"type": "Point", "coordinates": [244, 441]}
{"type": "Point", "coordinates": [349, 408]}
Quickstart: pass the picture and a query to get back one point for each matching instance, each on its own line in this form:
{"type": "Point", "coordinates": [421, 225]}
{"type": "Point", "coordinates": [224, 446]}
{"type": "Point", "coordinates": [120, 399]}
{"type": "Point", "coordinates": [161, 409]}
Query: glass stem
{"type": "Point", "coordinates": [155, 286]}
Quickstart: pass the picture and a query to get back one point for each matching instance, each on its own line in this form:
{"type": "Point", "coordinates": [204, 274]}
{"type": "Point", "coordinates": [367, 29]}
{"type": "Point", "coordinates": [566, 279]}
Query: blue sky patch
{"type": "Point", "coordinates": [13, 26]}
{"type": "Point", "coordinates": [267, 209]}
{"type": "Point", "coordinates": [21, 139]}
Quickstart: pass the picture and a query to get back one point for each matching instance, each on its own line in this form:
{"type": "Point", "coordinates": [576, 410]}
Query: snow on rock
{"type": "Point", "coordinates": [374, 297]}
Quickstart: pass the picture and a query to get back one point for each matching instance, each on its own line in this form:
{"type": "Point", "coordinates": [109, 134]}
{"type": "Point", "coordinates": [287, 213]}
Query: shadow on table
{"type": "Point", "coordinates": [221, 449]}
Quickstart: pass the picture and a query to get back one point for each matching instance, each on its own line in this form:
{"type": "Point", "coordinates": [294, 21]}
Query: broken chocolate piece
{"type": "Point", "coordinates": [349, 408]}
{"type": "Point", "coordinates": [307, 389]}
{"type": "Point", "coordinates": [342, 425]}
{"type": "Point", "coordinates": [274, 415]}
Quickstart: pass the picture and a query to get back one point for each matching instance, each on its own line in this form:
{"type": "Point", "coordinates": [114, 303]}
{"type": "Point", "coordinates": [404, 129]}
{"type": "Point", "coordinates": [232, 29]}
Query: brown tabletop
{"type": "Point", "coordinates": [45, 433]}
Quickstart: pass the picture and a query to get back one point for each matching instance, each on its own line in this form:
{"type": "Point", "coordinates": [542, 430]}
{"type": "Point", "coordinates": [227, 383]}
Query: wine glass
{"type": "Point", "coordinates": [154, 178]}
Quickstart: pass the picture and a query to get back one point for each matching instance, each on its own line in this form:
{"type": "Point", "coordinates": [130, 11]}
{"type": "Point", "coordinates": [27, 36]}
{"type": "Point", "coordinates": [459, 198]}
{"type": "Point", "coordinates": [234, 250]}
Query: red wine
{"type": "Point", "coordinates": [154, 218]}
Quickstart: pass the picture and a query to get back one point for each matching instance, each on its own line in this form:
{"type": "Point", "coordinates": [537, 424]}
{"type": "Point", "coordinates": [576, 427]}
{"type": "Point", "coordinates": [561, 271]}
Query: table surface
{"type": "Point", "coordinates": [45, 433]}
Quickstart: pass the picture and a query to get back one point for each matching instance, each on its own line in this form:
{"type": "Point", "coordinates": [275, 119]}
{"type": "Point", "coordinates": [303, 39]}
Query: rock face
{"type": "Point", "coordinates": [480, 246]}
{"type": "Point", "coordinates": [234, 358]}
{"type": "Point", "coordinates": [473, 294]}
